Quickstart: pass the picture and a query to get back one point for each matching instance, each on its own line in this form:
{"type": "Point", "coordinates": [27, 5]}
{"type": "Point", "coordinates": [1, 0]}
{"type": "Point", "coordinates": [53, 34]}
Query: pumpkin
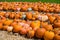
{"type": "Point", "coordinates": [5, 27]}
{"type": "Point", "coordinates": [13, 24]}
{"type": "Point", "coordinates": [40, 32]}
{"type": "Point", "coordinates": [23, 31]}
{"type": "Point", "coordinates": [3, 19]}
{"type": "Point", "coordinates": [35, 7]}
{"type": "Point", "coordinates": [48, 14]}
{"type": "Point", "coordinates": [48, 27]}
{"type": "Point", "coordinates": [7, 14]}
{"type": "Point", "coordinates": [52, 19]}
{"type": "Point", "coordinates": [44, 17]}
{"type": "Point", "coordinates": [10, 28]}
{"type": "Point", "coordinates": [35, 24]}
{"type": "Point", "coordinates": [17, 15]}
{"type": "Point", "coordinates": [33, 18]}
{"type": "Point", "coordinates": [49, 35]}
{"type": "Point", "coordinates": [30, 33]}
{"type": "Point", "coordinates": [57, 36]}
{"type": "Point", "coordinates": [29, 15]}
{"type": "Point", "coordinates": [12, 15]}
{"type": "Point", "coordinates": [17, 28]}
{"type": "Point", "coordinates": [57, 33]}
{"type": "Point", "coordinates": [24, 7]}
{"type": "Point", "coordinates": [57, 24]}
{"type": "Point", "coordinates": [43, 24]}
{"type": "Point", "coordinates": [1, 25]}
{"type": "Point", "coordinates": [2, 13]}
{"type": "Point", "coordinates": [8, 22]}
{"type": "Point", "coordinates": [25, 28]}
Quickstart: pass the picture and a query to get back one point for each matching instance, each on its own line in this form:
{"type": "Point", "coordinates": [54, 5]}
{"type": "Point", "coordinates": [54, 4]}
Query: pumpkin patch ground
{"type": "Point", "coordinates": [29, 21]}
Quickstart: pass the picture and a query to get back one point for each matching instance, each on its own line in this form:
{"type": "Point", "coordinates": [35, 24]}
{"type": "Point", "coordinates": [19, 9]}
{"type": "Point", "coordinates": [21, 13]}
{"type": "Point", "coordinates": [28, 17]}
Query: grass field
{"type": "Point", "coordinates": [51, 1]}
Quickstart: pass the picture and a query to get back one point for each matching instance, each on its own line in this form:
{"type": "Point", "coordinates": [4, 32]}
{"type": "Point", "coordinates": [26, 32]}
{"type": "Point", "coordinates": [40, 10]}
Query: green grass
{"type": "Point", "coordinates": [51, 1]}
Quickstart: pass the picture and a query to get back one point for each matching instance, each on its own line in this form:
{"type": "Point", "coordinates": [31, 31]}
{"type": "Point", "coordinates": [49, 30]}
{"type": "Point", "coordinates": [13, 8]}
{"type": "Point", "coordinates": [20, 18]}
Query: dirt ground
{"type": "Point", "coordinates": [4, 35]}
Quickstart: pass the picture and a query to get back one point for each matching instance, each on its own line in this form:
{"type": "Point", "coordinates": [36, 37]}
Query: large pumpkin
{"type": "Point", "coordinates": [46, 26]}
{"type": "Point", "coordinates": [35, 24]}
{"type": "Point", "coordinates": [57, 33]}
{"type": "Point", "coordinates": [52, 19]}
{"type": "Point", "coordinates": [12, 15]}
{"type": "Point", "coordinates": [30, 33]}
{"type": "Point", "coordinates": [17, 28]}
{"type": "Point", "coordinates": [29, 15]}
{"type": "Point", "coordinates": [49, 35]}
{"type": "Point", "coordinates": [57, 23]}
{"type": "Point", "coordinates": [8, 22]}
{"type": "Point", "coordinates": [1, 25]}
{"type": "Point", "coordinates": [40, 32]}
{"type": "Point", "coordinates": [5, 27]}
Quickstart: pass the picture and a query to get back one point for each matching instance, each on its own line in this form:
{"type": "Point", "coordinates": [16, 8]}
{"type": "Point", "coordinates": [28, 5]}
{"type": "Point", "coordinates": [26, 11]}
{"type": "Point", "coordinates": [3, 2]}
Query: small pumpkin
{"type": "Point", "coordinates": [10, 28]}
{"type": "Point", "coordinates": [12, 15]}
{"type": "Point", "coordinates": [3, 19]}
{"type": "Point", "coordinates": [7, 14]}
{"type": "Point", "coordinates": [8, 22]}
{"type": "Point", "coordinates": [40, 32]}
{"type": "Point", "coordinates": [13, 24]}
{"type": "Point", "coordinates": [57, 33]}
{"type": "Point", "coordinates": [24, 7]}
{"type": "Point", "coordinates": [29, 15]}
{"type": "Point", "coordinates": [49, 27]}
{"type": "Point", "coordinates": [52, 19]}
{"type": "Point", "coordinates": [35, 24]}
{"type": "Point", "coordinates": [23, 31]}
{"type": "Point", "coordinates": [49, 35]}
{"type": "Point", "coordinates": [17, 15]}
{"type": "Point", "coordinates": [1, 25]}
{"type": "Point", "coordinates": [57, 24]}
{"type": "Point", "coordinates": [17, 28]}
{"type": "Point", "coordinates": [35, 7]}
{"type": "Point", "coordinates": [2, 13]}
{"type": "Point", "coordinates": [5, 27]}
{"type": "Point", "coordinates": [30, 33]}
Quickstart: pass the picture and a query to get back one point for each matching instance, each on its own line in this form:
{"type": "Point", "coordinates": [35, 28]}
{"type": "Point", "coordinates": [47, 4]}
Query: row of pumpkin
{"type": "Point", "coordinates": [28, 6]}
{"type": "Point", "coordinates": [48, 30]}
{"type": "Point", "coordinates": [30, 15]}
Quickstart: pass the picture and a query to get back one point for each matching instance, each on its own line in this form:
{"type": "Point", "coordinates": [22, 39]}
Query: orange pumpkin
{"type": "Point", "coordinates": [48, 27]}
{"type": "Point", "coordinates": [8, 22]}
{"type": "Point", "coordinates": [7, 14]}
{"type": "Point", "coordinates": [17, 28]}
{"type": "Point", "coordinates": [13, 24]}
{"type": "Point", "coordinates": [49, 35]}
{"type": "Point", "coordinates": [2, 13]}
{"type": "Point", "coordinates": [57, 33]}
{"type": "Point", "coordinates": [57, 24]}
{"type": "Point", "coordinates": [35, 24]}
{"type": "Point", "coordinates": [5, 27]}
{"type": "Point", "coordinates": [35, 7]}
{"type": "Point", "coordinates": [56, 30]}
{"type": "Point", "coordinates": [3, 19]}
{"type": "Point", "coordinates": [12, 15]}
{"type": "Point", "coordinates": [23, 31]}
{"type": "Point", "coordinates": [29, 15]}
{"type": "Point", "coordinates": [1, 25]}
{"type": "Point", "coordinates": [24, 7]}
{"type": "Point", "coordinates": [40, 32]}
{"type": "Point", "coordinates": [52, 19]}
{"type": "Point", "coordinates": [30, 33]}
{"type": "Point", "coordinates": [17, 15]}
{"type": "Point", "coordinates": [43, 24]}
